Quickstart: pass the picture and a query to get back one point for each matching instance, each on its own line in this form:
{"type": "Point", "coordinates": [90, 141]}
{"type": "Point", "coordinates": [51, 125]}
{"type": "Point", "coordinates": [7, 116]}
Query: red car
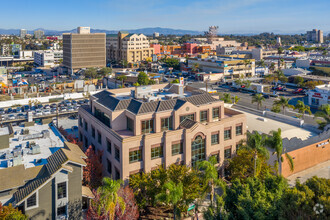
{"type": "Point", "coordinates": [297, 91]}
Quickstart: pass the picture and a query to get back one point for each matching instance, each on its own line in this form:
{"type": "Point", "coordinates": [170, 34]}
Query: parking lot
{"type": "Point", "coordinates": [21, 112]}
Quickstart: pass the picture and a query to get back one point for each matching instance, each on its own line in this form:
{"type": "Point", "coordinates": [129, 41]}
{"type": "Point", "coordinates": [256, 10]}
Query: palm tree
{"type": "Point", "coordinates": [302, 108]}
{"type": "Point", "coordinates": [226, 98]}
{"type": "Point", "coordinates": [235, 99]}
{"type": "Point", "coordinates": [109, 196]}
{"type": "Point", "coordinates": [246, 63]}
{"type": "Point", "coordinates": [171, 195]}
{"type": "Point", "coordinates": [324, 112]}
{"type": "Point", "coordinates": [209, 175]}
{"type": "Point", "coordinates": [195, 67]}
{"type": "Point", "coordinates": [283, 102]}
{"type": "Point", "coordinates": [258, 98]}
{"type": "Point", "coordinates": [122, 78]}
{"type": "Point", "coordinates": [279, 51]}
{"type": "Point", "coordinates": [272, 67]}
{"type": "Point", "coordinates": [256, 143]}
{"type": "Point", "coordinates": [275, 142]}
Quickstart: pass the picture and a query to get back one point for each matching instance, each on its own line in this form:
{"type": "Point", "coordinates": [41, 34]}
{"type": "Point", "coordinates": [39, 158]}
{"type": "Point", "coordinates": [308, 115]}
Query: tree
{"type": "Point", "coordinates": [175, 81]}
{"type": "Point", "coordinates": [235, 99]}
{"type": "Point", "coordinates": [209, 176]}
{"type": "Point", "coordinates": [10, 213]}
{"type": "Point", "coordinates": [324, 113]}
{"type": "Point", "coordinates": [302, 108]}
{"type": "Point", "coordinates": [226, 98]}
{"type": "Point", "coordinates": [255, 198]}
{"type": "Point", "coordinates": [283, 102]}
{"type": "Point", "coordinates": [312, 84]}
{"type": "Point", "coordinates": [258, 98]}
{"type": "Point", "coordinates": [279, 51]}
{"type": "Point", "coordinates": [171, 195]}
{"type": "Point", "coordinates": [256, 143]}
{"type": "Point", "coordinates": [195, 67]}
{"type": "Point", "coordinates": [91, 73]}
{"type": "Point", "coordinates": [299, 81]}
{"type": "Point", "coordinates": [275, 142]}
{"type": "Point", "coordinates": [261, 63]}
{"type": "Point", "coordinates": [109, 196]}
{"type": "Point", "coordinates": [92, 172]}
{"type": "Point", "coordinates": [272, 67]}
{"type": "Point", "coordinates": [97, 209]}
{"type": "Point", "coordinates": [276, 109]}
{"type": "Point", "coordinates": [143, 79]}
{"type": "Point", "coordinates": [105, 71]}
{"type": "Point", "coordinates": [241, 166]}
{"type": "Point", "coordinates": [122, 78]}
{"type": "Point", "coordinates": [131, 209]}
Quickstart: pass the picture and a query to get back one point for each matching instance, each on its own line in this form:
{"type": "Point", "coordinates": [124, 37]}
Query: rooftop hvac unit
{"type": "Point", "coordinates": [17, 161]}
{"type": "Point", "coordinates": [9, 163]}
{"type": "Point", "coordinates": [35, 149]}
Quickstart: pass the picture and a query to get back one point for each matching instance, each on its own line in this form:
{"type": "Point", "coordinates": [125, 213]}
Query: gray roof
{"type": "Point", "coordinates": [54, 163]}
{"type": "Point", "coordinates": [139, 107]}
{"type": "Point", "coordinates": [187, 123]}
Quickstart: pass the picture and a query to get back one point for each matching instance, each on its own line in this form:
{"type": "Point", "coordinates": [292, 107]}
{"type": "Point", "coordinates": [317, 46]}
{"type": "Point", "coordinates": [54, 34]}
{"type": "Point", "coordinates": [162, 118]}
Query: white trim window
{"type": "Point", "coordinates": [32, 202]}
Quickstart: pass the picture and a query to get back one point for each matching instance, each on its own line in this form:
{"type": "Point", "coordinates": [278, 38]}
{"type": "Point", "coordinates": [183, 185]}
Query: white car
{"type": "Point", "coordinates": [70, 109]}
{"type": "Point", "coordinates": [11, 117]}
{"type": "Point", "coordinates": [38, 112]}
{"type": "Point", "coordinates": [63, 109]}
{"type": "Point", "coordinates": [46, 112]}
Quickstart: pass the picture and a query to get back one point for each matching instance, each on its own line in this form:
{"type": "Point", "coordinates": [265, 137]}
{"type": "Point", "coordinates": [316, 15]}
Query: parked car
{"type": "Point", "coordinates": [86, 101]}
{"type": "Point", "coordinates": [298, 91]}
{"type": "Point", "coordinates": [266, 96]}
{"type": "Point", "coordinates": [9, 110]}
{"type": "Point", "coordinates": [46, 112]}
{"type": "Point", "coordinates": [70, 109]}
{"type": "Point", "coordinates": [63, 109]}
{"type": "Point", "coordinates": [2, 111]}
{"type": "Point", "coordinates": [53, 105]}
{"type": "Point", "coordinates": [11, 117]}
{"type": "Point", "coordinates": [26, 108]}
{"type": "Point", "coordinates": [40, 106]}
{"type": "Point", "coordinates": [18, 109]}
{"type": "Point", "coordinates": [38, 112]}
{"type": "Point", "coordinates": [74, 102]}
{"type": "Point", "coordinates": [21, 115]}
{"type": "Point", "coordinates": [46, 107]}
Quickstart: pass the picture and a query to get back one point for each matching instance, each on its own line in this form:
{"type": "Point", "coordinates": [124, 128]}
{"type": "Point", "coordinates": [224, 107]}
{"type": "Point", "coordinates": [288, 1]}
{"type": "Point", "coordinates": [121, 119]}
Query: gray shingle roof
{"type": "Point", "coordinates": [187, 123]}
{"type": "Point", "coordinates": [139, 107]}
{"type": "Point", "coordinates": [54, 163]}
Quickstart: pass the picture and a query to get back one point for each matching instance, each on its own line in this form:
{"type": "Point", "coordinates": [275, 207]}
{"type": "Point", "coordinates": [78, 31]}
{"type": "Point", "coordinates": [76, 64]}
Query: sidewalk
{"type": "Point", "coordinates": [321, 170]}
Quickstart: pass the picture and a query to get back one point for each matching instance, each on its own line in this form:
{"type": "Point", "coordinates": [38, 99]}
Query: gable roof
{"type": "Point", "coordinates": [55, 162]}
{"type": "Point", "coordinates": [14, 177]}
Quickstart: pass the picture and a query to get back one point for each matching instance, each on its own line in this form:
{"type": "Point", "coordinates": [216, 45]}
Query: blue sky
{"type": "Point", "coordinates": [232, 16]}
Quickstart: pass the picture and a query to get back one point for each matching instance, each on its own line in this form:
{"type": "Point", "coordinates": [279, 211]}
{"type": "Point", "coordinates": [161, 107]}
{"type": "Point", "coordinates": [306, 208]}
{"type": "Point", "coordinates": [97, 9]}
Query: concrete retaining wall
{"type": "Point", "coordinates": [284, 118]}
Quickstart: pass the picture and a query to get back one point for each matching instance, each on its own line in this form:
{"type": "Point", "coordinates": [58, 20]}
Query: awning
{"type": "Point", "coordinates": [86, 192]}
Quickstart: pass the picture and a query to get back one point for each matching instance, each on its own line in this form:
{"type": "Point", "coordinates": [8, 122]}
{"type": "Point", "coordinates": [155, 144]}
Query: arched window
{"type": "Point", "coordinates": [197, 150]}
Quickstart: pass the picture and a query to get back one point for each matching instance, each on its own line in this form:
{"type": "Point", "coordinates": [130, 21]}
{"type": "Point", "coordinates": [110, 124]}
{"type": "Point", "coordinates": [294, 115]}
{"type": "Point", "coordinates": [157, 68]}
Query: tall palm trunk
{"type": "Point", "coordinates": [174, 211]}
{"type": "Point", "coordinates": [255, 164]}
{"type": "Point", "coordinates": [212, 192]}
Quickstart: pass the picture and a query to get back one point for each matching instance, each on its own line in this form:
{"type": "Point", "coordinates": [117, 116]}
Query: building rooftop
{"type": "Point", "coordinates": [255, 123]}
{"type": "Point", "coordinates": [30, 146]}
{"type": "Point", "coordinates": [152, 100]}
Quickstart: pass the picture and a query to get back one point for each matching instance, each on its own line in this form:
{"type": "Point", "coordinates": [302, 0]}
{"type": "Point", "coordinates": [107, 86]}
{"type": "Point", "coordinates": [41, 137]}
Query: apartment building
{"type": "Point", "coordinates": [83, 49]}
{"type": "Point", "coordinates": [231, 68]}
{"type": "Point", "coordinates": [38, 34]}
{"type": "Point", "coordinates": [140, 129]}
{"type": "Point", "coordinates": [40, 174]}
{"type": "Point", "coordinates": [132, 48]}
{"type": "Point", "coordinates": [315, 36]}
{"type": "Point", "coordinates": [22, 33]}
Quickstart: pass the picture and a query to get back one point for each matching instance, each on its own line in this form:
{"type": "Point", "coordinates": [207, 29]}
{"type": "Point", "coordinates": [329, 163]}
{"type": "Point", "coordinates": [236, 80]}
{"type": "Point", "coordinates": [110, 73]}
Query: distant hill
{"type": "Point", "coordinates": [146, 31]}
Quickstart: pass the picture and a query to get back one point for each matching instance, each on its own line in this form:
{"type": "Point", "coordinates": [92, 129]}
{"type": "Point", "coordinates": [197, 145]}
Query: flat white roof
{"type": "Point", "coordinates": [48, 145]}
{"type": "Point", "coordinates": [288, 131]}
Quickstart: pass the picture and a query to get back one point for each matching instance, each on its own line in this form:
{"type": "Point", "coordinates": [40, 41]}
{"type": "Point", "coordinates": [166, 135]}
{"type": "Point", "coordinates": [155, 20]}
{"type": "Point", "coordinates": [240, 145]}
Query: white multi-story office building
{"type": "Point", "coordinates": [39, 34]}
{"type": "Point", "coordinates": [47, 58]}
{"type": "Point", "coordinates": [22, 33]}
